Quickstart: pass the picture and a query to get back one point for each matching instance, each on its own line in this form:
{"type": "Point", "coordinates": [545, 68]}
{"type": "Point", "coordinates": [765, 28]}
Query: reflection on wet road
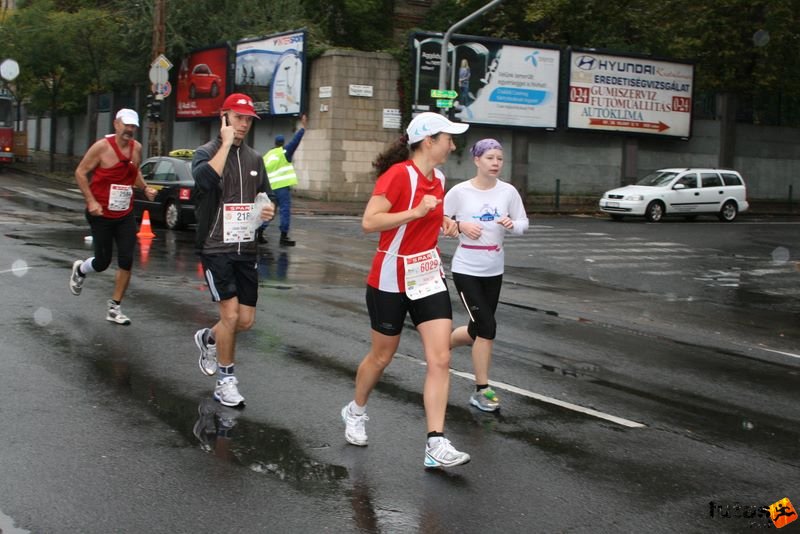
{"type": "Point", "coordinates": [650, 341]}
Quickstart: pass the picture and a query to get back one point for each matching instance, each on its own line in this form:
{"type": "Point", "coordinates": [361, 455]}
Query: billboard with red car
{"type": "Point", "coordinates": [202, 83]}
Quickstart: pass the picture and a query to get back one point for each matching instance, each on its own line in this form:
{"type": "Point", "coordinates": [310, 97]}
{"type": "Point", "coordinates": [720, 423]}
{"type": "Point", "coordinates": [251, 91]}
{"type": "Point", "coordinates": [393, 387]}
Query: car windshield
{"type": "Point", "coordinates": [657, 179]}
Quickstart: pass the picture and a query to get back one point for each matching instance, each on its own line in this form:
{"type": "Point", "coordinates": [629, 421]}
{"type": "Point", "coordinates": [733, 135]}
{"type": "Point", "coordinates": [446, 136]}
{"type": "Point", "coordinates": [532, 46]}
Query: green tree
{"type": "Point", "coordinates": [63, 55]}
{"type": "Point", "coordinates": [716, 36]}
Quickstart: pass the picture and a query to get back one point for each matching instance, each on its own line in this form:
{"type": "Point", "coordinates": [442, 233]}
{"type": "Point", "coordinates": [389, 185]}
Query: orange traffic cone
{"type": "Point", "coordinates": [144, 250]}
{"type": "Point", "coordinates": [145, 230]}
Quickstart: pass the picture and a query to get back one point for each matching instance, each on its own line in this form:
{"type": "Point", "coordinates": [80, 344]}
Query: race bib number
{"type": "Point", "coordinates": [235, 226]}
{"type": "Point", "coordinates": [423, 274]}
{"type": "Point", "coordinates": [119, 197]}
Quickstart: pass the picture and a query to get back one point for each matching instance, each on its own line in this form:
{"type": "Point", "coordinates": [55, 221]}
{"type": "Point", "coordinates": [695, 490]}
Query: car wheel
{"type": "Point", "coordinates": [192, 92]}
{"type": "Point", "coordinates": [654, 211]}
{"type": "Point", "coordinates": [616, 216]}
{"type": "Point", "coordinates": [172, 216]}
{"type": "Point", "coordinates": [728, 212]}
{"type": "Point", "coordinates": [214, 90]}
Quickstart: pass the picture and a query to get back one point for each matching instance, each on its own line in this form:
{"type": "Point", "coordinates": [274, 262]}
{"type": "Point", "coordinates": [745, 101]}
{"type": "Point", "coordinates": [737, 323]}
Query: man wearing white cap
{"type": "Point", "coordinates": [113, 163]}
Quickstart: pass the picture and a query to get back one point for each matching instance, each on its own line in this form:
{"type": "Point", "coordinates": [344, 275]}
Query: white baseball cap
{"type": "Point", "coordinates": [128, 116]}
{"type": "Point", "coordinates": [430, 123]}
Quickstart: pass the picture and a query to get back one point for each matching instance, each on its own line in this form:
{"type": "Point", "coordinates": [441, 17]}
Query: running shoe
{"type": "Point", "coordinates": [226, 420]}
{"type": "Point", "coordinates": [441, 453]}
{"type": "Point", "coordinates": [204, 428]}
{"type": "Point", "coordinates": [486, 400]}
{"type": "Point", "coordinates": [75, 279]}
{"type": "Point", "coordinates": [354, 427]}
{"type": "Point", "coordinates": [115, 314]}
{"type": "Point", "coordinates": [208, 353]}
{"type": "Point", "coordinates": [227, 394]}
{"type": "Point", "coordinates": [213, 421]}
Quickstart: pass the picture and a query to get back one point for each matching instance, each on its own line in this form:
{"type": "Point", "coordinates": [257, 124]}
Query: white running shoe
{"type": "Point", "coordinates": [354, 431]}
{"type": "Point", "coordinates": [441, 453]}
{"type": "Point", "coordinates": [227, 394]}
{"type": "Point", "coordinates": [76, 280]}
{"type": "Point", "coordinates": [204, 428]}
{"type": "Point", "coordinates": [115, 314]}
{"type": "Point", "coordinates": [208, 353]}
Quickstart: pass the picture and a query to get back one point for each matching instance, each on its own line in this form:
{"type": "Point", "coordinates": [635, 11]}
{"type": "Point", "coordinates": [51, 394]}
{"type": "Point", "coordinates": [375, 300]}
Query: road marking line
{"type": "Point", "coordinates": [790, 354]}
{"type": "Point", "coordinates": [542, 398]}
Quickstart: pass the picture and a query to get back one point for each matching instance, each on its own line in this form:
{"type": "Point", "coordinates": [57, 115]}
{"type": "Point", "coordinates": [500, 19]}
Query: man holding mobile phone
{"type": "Point", "coordinates": [228, 175]}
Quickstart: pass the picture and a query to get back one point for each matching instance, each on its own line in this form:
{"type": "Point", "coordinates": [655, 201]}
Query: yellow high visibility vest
{"type": "Point", "coordinates": [279, 170]}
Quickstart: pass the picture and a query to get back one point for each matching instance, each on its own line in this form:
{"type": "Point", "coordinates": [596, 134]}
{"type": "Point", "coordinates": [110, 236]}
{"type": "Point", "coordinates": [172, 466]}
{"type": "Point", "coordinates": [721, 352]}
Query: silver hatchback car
{"type": "Point", "coordinates": [687, 192]}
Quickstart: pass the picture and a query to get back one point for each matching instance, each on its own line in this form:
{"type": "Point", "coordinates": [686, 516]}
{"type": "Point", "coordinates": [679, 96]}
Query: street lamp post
{"type": "Point", "coordinates": [446, 42]}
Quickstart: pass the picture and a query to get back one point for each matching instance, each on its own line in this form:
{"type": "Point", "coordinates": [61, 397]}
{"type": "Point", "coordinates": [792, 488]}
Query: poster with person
{"type": "Point", "coordinates": [497, 82]}
{"type": "Point", "coordinates": [272, 71]}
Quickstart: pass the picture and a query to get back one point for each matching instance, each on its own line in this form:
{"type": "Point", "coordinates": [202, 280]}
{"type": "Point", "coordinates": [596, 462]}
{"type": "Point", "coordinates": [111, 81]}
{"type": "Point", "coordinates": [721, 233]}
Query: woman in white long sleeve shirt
{"type": "Point", "coordinates": [485, 209]}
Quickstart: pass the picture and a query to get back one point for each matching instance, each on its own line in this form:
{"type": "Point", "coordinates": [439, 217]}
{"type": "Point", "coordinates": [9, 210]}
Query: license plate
{"type": "Point", "coordinates": [613, 204]}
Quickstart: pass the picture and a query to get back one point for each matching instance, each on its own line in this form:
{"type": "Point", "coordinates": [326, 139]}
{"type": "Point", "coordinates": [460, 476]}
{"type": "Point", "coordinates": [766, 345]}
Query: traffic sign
{"type": "Point", "coordinates": [444, 103]}
{"type": "Point", "coordinates": [161, 89]}
{"type": "Point", "coordinates": [162, 62]}
{"type": "Point", "coordinates": [441, 93]}
{"type": "Point", "coordinates": [159, 75]}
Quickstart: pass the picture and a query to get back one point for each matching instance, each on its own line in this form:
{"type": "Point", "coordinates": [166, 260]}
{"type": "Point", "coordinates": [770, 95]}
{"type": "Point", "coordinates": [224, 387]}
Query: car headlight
{"type": "Point", "coordinates": [635, 197]}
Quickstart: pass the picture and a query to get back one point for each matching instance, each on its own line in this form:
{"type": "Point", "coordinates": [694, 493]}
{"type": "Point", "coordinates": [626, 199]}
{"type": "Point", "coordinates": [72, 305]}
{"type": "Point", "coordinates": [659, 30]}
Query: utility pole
{"type": "Point", "coordinates": [154, 138]}
{"type": "Point", "coordinates": [446, 42]}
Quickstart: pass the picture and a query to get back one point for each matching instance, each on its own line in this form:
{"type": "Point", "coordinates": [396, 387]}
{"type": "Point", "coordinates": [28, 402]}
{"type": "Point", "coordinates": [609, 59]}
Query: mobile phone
{"type": "Point", "coordinates": [225, 119]}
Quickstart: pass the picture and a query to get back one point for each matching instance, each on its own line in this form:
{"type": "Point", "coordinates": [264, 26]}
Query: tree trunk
{"type": "Point", "coordinates": [726, 112]}
{"type": "Point", "coordinates": [53, 137]}
{"type": "Point", "coordinates": [91, 117]}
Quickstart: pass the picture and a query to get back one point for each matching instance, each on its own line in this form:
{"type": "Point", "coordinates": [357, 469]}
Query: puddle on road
{"type": "Point", "coordinates": [225, 432]}
{"type": "Point", "coordinates": [35, 205]}
{"type": "Point", "coordinates": [171, 253]}
{"type": "Point", "coordinates": [282, 270]}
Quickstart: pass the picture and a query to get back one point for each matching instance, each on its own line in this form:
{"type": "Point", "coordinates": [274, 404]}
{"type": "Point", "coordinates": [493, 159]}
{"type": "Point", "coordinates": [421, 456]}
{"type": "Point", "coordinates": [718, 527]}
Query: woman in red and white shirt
{"type": "Point", "coordinates": [407, 276]}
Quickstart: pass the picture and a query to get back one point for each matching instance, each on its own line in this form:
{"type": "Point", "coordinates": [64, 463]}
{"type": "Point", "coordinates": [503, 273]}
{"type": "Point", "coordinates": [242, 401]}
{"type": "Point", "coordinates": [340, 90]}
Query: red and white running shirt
{"type": "Point", "coordinates": [404, 185]}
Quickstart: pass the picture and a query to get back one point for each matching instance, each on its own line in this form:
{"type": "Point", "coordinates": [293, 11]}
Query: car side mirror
{"type": "Point", "coordinates": [679, 186]}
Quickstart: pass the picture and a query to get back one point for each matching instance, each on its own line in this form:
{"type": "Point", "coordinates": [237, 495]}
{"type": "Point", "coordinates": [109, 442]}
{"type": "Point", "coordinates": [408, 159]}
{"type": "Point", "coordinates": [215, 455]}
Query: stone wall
{"type": "Point", "coordinates": [346, 132]}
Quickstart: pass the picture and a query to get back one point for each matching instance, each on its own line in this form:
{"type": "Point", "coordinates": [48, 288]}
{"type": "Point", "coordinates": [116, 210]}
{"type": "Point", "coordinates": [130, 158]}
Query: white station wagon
{"type": "Point", "coordinates": [686, 192]}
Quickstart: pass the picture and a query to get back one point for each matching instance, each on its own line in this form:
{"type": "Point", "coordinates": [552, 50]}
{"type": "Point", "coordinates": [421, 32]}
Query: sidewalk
{"type": "Point", "coordinates": [302, 205]}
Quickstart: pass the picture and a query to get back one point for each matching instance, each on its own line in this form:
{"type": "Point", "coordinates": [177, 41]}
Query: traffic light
{"type": "Point", "coordinates": [153, 109]}
{"type": "Point", "coordinates": [156, 110]}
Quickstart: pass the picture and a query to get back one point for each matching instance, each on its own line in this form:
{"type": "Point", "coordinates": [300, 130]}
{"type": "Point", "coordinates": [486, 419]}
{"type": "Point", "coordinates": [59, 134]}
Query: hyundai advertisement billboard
{"type": "Point", "coordinates": [629, 94]}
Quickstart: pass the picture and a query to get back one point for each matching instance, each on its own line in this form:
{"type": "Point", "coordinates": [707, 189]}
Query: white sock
{"type": "Point", "coordinates": [86, 266]}
{"type": "Point", "coordinates": [355, 409]}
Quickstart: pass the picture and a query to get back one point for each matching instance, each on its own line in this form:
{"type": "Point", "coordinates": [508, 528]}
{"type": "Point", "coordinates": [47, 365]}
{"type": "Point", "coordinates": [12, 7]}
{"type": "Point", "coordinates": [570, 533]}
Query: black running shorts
{"type": "Point", "coordinates": [231, 275]}
{"type": "Point", "coordinates": [387, 311]}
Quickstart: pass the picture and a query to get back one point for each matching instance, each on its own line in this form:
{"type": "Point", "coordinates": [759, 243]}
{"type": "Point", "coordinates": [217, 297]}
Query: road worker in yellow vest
{"type": "Point", "coordinates": [282, 177]}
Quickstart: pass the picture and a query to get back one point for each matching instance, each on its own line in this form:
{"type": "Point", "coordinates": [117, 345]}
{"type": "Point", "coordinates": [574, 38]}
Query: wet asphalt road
{"type": "Point", "coordinates": [645, 370]}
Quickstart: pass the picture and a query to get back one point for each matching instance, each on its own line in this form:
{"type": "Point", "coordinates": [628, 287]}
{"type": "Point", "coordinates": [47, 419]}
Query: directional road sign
{"type": "Point", "coordinates": [440, 93]}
